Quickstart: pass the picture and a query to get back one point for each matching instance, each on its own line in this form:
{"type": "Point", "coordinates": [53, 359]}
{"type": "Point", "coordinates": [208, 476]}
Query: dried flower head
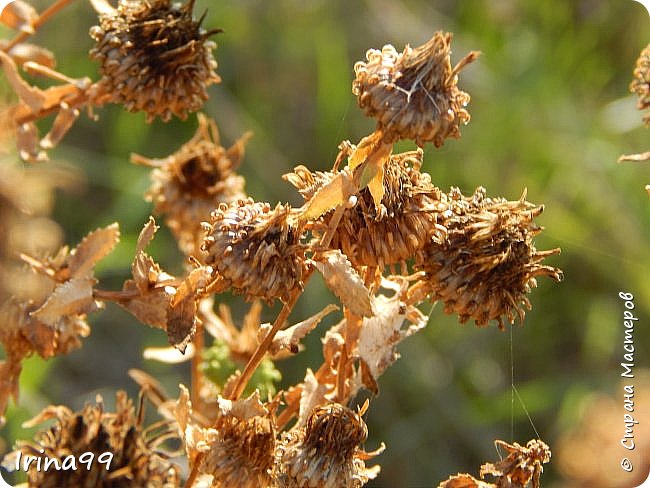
{"type": "Point", "coordinates": [325, 452]}
{"type": "Point", "coordinates": [238, 450]}
{"type": "Point", "coordinates": [405, 222]}
{"type": "Point", "coordinates": [522, 467]}
{"type": "Point", "coordinates": [257, 250]}
{"type": "Point", "coordinates": [413, 94]}
{"type": "Point", "coordinates": [641, 83]}
{"type": "Point", "coordinates": [135, 460]}
{"type": "Point", "coordinates": [488, 262]}
{"type": "Point", "coordinates": [154, 58]}
{"type": "Point", "coordinates": [192, 182]}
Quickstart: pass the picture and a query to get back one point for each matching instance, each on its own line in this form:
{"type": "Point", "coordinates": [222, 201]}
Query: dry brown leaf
{"type": "Point", "coordinates": [19, 15]}
{"type": "Point", "coordinates": [146, 235]}
{"type": "Point", "coordinates": [289, 338]}
{"type": "Point", "coordinates": [335, 193]}
{"type": "Point", "coordinates": [380, 334]}
{"type": "Point", "coordinates": [149, 308]}
{"type": "Point", "coordinates": [364, 149]}
{"type": "Point", "coordinates": [344, 281]}
{"type": "Point", "coordinates": [74, 297]}
{"type": "Point", "coordinates": [244, 408]}
{"type": "Point", "coordinates": [91, 249]}
{"type": "Point", "coordinates": [313, 394]}
{"type": "Point", "coordinates": [181, 322]}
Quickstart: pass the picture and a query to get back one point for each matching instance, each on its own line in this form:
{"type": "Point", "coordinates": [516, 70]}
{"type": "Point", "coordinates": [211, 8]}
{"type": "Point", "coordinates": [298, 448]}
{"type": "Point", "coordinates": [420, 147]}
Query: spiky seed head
{"type": "Point", "coordinates": [189, 184]}
{"type": "Point", "coordinates": [325, 452]}
{"type": "Point", "coordinates": [413, 94]}
{"type": "Point", "coordinates": [488, 263]}
{"type": "Point", "coordinates": [256, 249]}
{"type": "Point", "coordinates": [154, 58]}
{"type": "Point", "coordinates": [135, 461]}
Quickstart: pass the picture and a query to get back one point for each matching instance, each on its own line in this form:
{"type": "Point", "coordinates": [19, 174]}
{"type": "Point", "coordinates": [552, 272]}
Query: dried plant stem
{"type": "Point", "coordinates": [115, 296]}
{"type": "Point", "coordinates": [197, 377]}
{"type": "Point", "coordinates": [261, 350]}
{"type": "Point", "coordinates": [42, 18]}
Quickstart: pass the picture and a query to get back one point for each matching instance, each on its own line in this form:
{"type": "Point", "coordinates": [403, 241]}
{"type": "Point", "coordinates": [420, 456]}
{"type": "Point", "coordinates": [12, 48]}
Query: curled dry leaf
{"type": "Point", "coordinates": [289, 338]}
{"type": "Point", "coordinates": [313, 393]}
{"type": "Point", "coordinates": [158, 299]}
{"type": "Point", "coordinates": [334, 193]}
{"type": "Point", "coordinates": [344, 281]}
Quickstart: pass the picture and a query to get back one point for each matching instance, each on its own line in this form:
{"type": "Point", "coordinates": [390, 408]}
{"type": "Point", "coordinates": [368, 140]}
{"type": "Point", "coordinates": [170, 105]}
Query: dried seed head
{"type": "Point", "coordinates": [413, 95]}
{"type": "Point", "coordinates": [641, 83]}
{"type": "Point", "coordinates": [256, 249]}
{"type": "Point", "coordinates": [154, 58]}
{"type": "Point", "coordinates": [325, 452]}
{"type": "Point", "coordinates": [405, 222]}
{"type": "Point", "coordinates": [243, 454]}
{"type": "Point", "coordinates": [193, 181]}
{"type": "Point", "coordinates": [135, 461]}
{"type": "Point", "coordinates": [488, 262]}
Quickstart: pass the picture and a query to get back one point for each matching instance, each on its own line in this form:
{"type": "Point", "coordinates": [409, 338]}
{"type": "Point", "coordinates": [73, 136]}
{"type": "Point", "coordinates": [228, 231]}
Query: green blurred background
{"type": "Point", "coordinates": [551, 112]}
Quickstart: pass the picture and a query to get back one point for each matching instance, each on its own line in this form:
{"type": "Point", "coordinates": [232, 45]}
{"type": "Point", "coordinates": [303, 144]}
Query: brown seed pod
{"type": "Point", "coordinates": [488, 263]}
{"type": "Point", "coordinates": [325, 452]}
{"type": "Point", "coordinates": [189, 184]}
{"type": "Point", "coordinates": [406, 221]}
{"type": "Point", "coordinates": [134, 461]}
{"type": "Point", "coordinates": [154, 58]}
{"type": "Point", "coordinates": [641, 83]}
{"type": "Point", "coordinates": [256, 249]}
{"type": "Point", "coordinates": [243, 456]}
{"type": "Point", "coordinates": [413, 94]}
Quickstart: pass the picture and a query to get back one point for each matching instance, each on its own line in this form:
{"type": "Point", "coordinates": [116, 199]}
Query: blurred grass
{"type": "Point", "coordinates": [550, 112]}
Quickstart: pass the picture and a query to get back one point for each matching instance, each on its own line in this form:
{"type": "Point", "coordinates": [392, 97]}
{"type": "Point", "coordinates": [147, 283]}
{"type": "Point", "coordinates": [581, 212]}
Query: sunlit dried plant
{"type": "Point", "coordinates": [641, 87]}
{"type": "Point", "coordinates": [384, 238]}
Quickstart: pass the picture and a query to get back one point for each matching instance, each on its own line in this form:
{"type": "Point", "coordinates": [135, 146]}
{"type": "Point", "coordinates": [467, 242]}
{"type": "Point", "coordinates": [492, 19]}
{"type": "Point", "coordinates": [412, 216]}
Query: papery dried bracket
{"type": "Point", "coordinates": [289, 339]}
{"type": "Point", "coordinates": [381, 333]}
{"type": "Point", "coordinates": [344, 281]}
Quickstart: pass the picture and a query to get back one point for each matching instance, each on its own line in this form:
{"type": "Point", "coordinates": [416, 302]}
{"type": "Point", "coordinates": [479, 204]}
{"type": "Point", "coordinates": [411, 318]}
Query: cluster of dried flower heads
{"type": "Point", "coordinates": [640, 86]}
{"type": "Point", "coordinates": [384, 238]}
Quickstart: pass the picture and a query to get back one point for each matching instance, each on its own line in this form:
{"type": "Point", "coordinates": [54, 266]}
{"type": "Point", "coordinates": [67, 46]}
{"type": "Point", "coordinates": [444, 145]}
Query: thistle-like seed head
{"type": "Point", "coordinates": [413, 94]}
{"type": "Point", "coordinates": [325, 452]}
{"type": "Point", "coordinates": [135, 461]}
{"type": "Point", "coordinates": [256, 249]}
{"type": "Point", "coordinates": [243, 456]}
{"type": "Point", "coordinates": [188, 185]}
{"type": "Point", "coordinates": [154, 58]}
{"type": "Point", "coordinates": [488, 263]}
